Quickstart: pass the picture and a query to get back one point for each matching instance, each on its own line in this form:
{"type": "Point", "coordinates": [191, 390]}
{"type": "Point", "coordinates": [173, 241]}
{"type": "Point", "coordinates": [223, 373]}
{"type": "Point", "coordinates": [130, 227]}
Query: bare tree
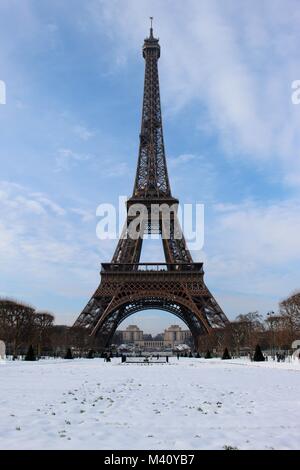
{"type": "Point", "coordinates": [240, 332]}
{"type": "Point", "coordinates": [59, 338]}
{"type": "Point", "coordinates": [247, 329]}
{"type": "Point", "coordinates": [16, 323]}
{"type": "Point", "coordinates": [290, 311]}
{"type": "Point", "coordinates": [278, 336]}
{"type": "Point", "coordinates": [43, 322]}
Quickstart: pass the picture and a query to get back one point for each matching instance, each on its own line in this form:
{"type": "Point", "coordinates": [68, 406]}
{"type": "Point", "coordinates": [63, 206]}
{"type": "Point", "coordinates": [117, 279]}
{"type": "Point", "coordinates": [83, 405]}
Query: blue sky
{"type": "Point", "coordinates": [69, 141]}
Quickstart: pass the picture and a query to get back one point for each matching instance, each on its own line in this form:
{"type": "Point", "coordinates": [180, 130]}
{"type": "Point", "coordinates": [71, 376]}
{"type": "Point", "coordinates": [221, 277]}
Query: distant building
{"type": "Point", "coordinates": [172, 337]}
{"type": "Point", "coordinates": [147, 337]}
{"type": "Point", "coordinates": [175, 335]}
{"type": "Point", "coordinates": [153, 345]}
{"type": "Point", "coordinates": [132, 334]}
{"type": "Point", "coordinates": [159, 337]}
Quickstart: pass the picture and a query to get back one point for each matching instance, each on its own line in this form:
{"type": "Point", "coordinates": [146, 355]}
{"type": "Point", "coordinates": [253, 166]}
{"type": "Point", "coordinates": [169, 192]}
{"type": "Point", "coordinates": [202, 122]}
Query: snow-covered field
{"type": "Point", "coordinates": [186, 404]}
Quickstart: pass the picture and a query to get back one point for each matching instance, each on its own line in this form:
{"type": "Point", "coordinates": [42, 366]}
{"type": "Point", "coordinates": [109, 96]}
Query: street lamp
{"type": "Point", "coordinates": [270, 315]}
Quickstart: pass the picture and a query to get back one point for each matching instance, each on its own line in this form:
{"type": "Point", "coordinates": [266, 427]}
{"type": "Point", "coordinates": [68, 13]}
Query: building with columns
{"type": "Point", "coordinates": [172, 336]}
{"type": "Point", "coordinates": [132, 334]}
{"type": "Point", "coordinates": [175, 335]}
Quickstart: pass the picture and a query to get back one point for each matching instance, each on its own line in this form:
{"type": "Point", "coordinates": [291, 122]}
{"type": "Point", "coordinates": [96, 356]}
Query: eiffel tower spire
{"type": "Point", "coordinates": [151, 26]}
{"type": "Point", "coordinates": [152, 176]}
{"type": "Point", "coordinates": [152, 184]}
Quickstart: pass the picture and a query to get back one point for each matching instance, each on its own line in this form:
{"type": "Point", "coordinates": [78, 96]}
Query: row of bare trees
{"type": "Point", "coordinates": [21, 326]}
{"type": "Point", "coordinates": [273, 332]}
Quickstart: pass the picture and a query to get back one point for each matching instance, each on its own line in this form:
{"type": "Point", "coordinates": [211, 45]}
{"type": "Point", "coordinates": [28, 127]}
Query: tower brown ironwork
{"type": "Point", "coordinates": [128, 286]}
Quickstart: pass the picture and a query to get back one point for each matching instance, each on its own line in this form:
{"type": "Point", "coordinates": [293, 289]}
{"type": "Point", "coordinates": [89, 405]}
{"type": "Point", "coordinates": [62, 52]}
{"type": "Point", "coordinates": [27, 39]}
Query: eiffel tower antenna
{"type": "Point", "coordinates": [128, 286]}
{"type": "Point", "coordinates": [151, 26]}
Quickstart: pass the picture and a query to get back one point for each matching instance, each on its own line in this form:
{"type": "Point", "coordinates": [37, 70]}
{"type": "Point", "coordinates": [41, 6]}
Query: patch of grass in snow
{"type": "Point", "coordinates": [230, 448]}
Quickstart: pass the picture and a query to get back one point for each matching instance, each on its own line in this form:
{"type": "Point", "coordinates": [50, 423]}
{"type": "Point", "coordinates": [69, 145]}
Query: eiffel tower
{"type": "Point", "coordinates": [128, 286]}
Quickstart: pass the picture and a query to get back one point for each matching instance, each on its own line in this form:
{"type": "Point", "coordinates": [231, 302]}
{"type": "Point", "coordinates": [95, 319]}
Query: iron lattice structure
{"type": "Point", "coordinates": [128, 286]}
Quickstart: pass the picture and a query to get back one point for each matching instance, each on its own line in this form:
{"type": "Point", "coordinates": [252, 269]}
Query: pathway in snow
{"type": "Point", "coordinates": [186, 404]}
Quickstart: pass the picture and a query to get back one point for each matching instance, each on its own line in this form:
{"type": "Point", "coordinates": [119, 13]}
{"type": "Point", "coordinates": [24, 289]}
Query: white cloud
{"type": "Point", "coordinates": [85, 215]}
{"type": "Point", "coordinates": [114, 169]}
{"type": "Point", "coordinates": [48, 203]}
{"type": "Point", "coordinates": [182, 160]}
{"type": "Point", "coordinates": [66, 158]}
{"type": "Point", "coordinates": [16, 198]}
{"type": "Point", "coordinates": [83, 133]}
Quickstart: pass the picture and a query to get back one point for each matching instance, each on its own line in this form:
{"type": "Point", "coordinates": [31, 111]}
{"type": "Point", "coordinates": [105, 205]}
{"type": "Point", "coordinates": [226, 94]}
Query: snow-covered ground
{"type": "Point", "coordinates": [185, 404]}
